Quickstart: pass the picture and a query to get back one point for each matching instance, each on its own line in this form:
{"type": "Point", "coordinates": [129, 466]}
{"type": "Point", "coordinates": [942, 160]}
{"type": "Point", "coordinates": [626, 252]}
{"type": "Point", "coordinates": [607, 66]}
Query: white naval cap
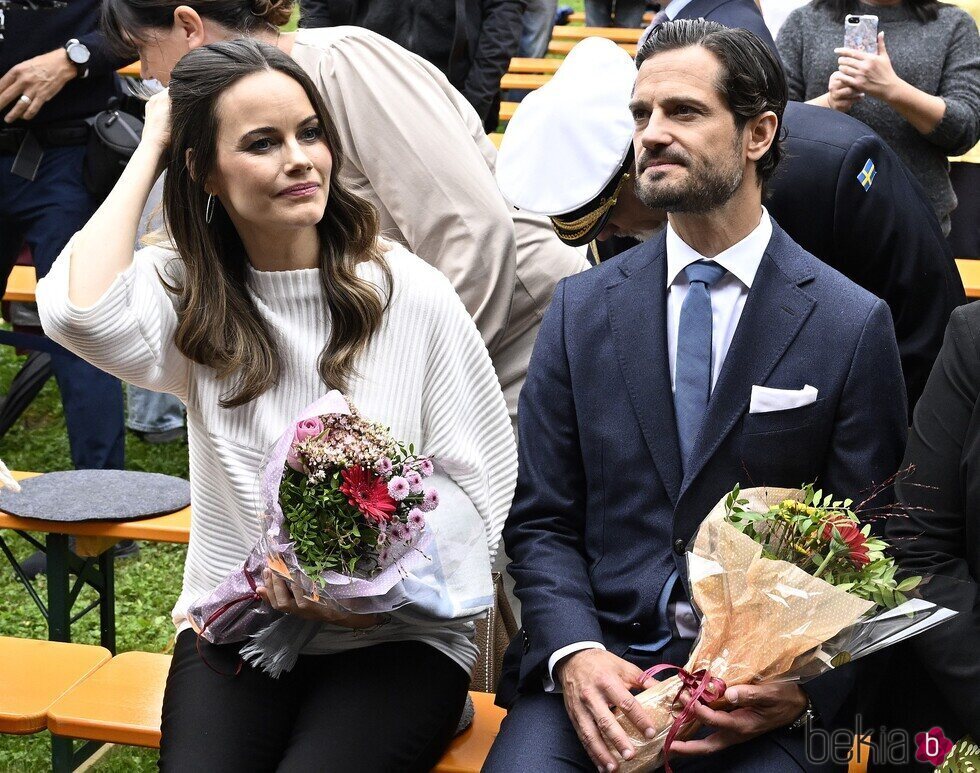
{"type": "Point", "coordinates": [569, 144]}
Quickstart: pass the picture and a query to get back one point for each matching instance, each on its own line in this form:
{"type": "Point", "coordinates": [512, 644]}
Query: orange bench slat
{"type": "Point", "coordinates": [35, 673]}
{"type": "Point", "coordinates": [119, 703]}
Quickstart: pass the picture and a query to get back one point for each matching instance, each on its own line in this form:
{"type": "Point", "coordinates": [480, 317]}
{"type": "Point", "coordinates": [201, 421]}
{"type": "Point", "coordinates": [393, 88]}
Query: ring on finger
{"type": "Point", "coordinates": [25, 99]}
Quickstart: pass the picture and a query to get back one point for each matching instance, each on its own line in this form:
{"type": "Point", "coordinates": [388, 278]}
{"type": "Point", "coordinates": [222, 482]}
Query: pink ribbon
{"type": "Point", "coordinates": [703, 687]}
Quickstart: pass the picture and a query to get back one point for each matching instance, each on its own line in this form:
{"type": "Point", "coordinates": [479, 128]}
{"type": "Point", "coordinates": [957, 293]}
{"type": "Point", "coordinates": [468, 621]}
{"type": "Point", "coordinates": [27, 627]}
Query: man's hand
{"type": "Point", "coordinates": [288, 598]}
{"type": "Point", "coordinates": [592, 681]}
{"type": "Point", "coordinates": [745, 712]}
{"type": "Point", "coordinates": [38, 79]}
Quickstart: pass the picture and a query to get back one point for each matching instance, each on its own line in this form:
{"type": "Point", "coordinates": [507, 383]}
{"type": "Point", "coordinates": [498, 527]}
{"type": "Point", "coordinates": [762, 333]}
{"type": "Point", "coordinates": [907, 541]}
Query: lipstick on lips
{"type": "Point", "coordinates": [300, 190]}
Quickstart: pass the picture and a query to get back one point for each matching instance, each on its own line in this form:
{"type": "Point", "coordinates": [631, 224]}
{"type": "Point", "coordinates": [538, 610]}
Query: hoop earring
{"type": "Point", "coordinates": [209, 209]}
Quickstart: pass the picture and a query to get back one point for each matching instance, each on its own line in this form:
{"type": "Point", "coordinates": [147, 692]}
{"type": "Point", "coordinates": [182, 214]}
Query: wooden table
{"type": "Point", "coordinates": [90, 562]}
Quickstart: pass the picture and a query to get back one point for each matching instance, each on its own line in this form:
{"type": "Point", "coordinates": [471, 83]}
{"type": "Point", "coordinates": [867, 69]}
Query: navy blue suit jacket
{"type": "Point", "coordinates": [740, 14]}
{"type": "Point", "coordinates": [602, 511]}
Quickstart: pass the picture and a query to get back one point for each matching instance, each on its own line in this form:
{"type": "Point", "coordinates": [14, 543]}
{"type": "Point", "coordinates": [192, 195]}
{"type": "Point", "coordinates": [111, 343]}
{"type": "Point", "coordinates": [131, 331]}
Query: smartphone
{"type": "Point", "coordinates": [861, 33]}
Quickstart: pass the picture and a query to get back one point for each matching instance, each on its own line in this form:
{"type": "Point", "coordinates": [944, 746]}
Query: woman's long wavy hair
{"type": "Point", "coordinates": [218, 323]}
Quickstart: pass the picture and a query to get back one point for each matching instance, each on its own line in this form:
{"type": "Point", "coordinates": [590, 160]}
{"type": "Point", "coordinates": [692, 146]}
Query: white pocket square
{"type": "Point", "coordinates": [767, 399]}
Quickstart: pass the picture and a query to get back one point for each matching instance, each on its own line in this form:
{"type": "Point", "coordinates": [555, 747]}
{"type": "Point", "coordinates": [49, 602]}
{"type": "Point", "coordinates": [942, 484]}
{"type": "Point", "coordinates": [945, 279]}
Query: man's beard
{"type": "Point", "coordinates": [707, 187]}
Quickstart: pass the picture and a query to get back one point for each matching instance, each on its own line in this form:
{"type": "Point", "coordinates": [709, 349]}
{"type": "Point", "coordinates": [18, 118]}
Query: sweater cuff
{"type": "Point", "coordinates": [952, 132]}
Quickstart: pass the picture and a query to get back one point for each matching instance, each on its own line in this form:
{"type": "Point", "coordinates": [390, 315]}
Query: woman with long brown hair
{"type": "Point", "coordinates": [277, 288]}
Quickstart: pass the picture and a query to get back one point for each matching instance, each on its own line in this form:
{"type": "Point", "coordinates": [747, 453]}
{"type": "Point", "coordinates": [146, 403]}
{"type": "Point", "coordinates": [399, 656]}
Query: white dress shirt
{"type": "Point", "coordinates": [728, 296]}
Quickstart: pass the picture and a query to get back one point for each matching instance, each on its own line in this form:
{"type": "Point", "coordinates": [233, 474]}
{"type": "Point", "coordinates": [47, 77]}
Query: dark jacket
{"type": "Point", "coordinates": [740, 14]}
{"type": "Point", "coordinates": [31, 33]}
{"type": "Point", "coordinates": [885, 238]}
{"type": "Point", "coordinates": [471, 41]}
{"type": "Point", "coordinates": [937, 674]}
{"type": "Point", "coordinates": [601, 502]}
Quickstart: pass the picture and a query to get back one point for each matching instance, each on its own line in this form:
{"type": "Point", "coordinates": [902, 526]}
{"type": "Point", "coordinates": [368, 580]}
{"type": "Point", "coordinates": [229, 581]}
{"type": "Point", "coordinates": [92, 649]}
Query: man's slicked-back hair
{"type": "Point", "coordinates": [752, 80]}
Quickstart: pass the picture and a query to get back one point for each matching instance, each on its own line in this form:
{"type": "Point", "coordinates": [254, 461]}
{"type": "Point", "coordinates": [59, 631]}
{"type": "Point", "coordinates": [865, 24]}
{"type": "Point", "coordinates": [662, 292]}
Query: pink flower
{"type": "Point", "coordinates": [426, 468]}
{"type": "Point", "coordinates": [382, 538]}
{"type": "Point", "coordinates": [367, 493]}
{"type": "Point", "coordinates": [416, 519]}
{"type": "Point", "coordinates": [384, 465]}
{"type": "Point", "coordinates": [304, 430]}
{"type": "Point", "coordinates": [399, 532]}
{"type": "Point", "coordinates": [414, 482]}
{"type": "Point", "coordinates": [430, 501]}
{"type": "Point", "coordinates": [398, 488]}
{"type": "Point", "coordinates": [307, 428]}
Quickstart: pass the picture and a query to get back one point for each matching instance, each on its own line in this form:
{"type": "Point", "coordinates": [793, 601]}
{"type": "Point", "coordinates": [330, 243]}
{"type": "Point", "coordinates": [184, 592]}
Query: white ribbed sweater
{"type": "Point", "coordinates": [426, 374]}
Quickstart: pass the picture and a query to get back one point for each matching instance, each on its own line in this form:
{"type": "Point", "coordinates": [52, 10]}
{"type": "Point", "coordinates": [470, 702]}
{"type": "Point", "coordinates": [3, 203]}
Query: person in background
{"type": "Point", "coordinates": [55, 71]}
{"type": "Point", "coordinates": [920, 91]}
{"type": "Point", "coordinates": [470, 41]}
{"type": "Point", "coordinates": [536, 26]}
{"type": "Point", "coordinates": [883, 235]}
{"type": "Point", "coordinates": [941, 536]}
{"type": "Point", "coordinates": [742, 14]}
{"type": "Point", "coordinates": [614, 13]}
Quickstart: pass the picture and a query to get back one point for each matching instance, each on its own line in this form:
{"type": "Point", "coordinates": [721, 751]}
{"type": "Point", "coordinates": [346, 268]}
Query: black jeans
{"type": "Point", "coordinates": [390, 707]}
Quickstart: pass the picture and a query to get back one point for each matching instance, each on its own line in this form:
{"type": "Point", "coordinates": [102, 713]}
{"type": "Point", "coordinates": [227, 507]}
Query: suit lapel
{"type": "Point", "coordinates": [637, 306]}
{"type": "Point", "coordinates": [774, 312]}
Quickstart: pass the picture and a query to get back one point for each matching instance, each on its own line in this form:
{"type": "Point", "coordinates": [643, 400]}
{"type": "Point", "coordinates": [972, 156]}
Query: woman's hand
{"type": "Point", "coordinates": [841, 97]}
{"type": "Point", "coordinates": [288, 598]}
{"type": "Point", "coordinates": [868, 73]}
{"type": "Point", "coordinates": [156, 123]}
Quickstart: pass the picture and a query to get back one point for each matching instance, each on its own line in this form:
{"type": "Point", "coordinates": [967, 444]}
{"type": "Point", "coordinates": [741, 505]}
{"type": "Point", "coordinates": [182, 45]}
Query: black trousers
{"type": "Point", "coordinates": [390, 707]}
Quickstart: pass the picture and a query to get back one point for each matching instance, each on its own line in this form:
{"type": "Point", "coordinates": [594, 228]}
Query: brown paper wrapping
{"type": "Point", "coordinates": [761, 619]}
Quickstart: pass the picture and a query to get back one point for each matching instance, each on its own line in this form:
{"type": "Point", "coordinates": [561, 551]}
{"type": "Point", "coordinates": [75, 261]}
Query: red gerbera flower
{"type": "Point", "coordinates": [850, 534]}
{"type": "Point", "coordinates": [368, 493]}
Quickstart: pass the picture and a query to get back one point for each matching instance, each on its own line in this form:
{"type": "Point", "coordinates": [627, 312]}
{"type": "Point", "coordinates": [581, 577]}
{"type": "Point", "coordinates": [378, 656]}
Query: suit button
{"type": "Point", "coordinates": [527, 644]}
{"type": "Point", "coordinates": [679, 547]}
{"type": "Point", "coordinates": [635, 626]}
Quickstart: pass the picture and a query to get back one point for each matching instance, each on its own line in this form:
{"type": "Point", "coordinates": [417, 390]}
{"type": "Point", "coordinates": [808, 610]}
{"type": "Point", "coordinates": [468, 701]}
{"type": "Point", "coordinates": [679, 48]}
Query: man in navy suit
{"type": "Point", "coordinates": [636, 419]}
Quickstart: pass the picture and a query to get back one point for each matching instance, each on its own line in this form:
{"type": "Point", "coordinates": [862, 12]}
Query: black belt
{"type": "Point", "coordinates": [50, 136]}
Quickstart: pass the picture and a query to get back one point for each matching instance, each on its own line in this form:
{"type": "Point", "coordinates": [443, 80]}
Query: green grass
{"type": "Point", "coordinates": [146, 586]}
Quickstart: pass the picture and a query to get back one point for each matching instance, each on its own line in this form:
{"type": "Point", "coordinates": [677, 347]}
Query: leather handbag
{"type": "Point", "coordinates": [493, 635]}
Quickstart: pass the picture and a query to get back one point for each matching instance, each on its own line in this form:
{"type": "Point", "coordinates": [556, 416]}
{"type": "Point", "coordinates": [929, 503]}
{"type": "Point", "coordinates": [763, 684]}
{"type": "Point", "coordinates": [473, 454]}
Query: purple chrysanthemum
{"type": "Point", "coordinates": [416, 519]}
{"type": "Point", "coordinates": [384, 465]}
{"type": "Point", "coordinates": [426, 468]}
{"type": "Point", "coordinates": [430, 501]}
{"type": "Point", "coordinates": [399, 532]}
{"type": "Point", "coordinates": [414, 482]}
{"type": "Point", "coordinates": [398, 488]}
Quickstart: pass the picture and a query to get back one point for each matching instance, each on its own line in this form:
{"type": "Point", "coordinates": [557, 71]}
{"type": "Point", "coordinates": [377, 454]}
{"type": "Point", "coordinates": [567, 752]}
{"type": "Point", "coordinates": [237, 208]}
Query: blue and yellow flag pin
{"type": "Point", "coordinates": [867, 175]}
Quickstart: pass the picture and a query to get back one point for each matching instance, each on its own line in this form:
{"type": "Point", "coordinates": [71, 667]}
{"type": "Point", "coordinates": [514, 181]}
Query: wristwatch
{"type": "Point", "coordinates": [808, 716]}
{"type": "Point", "coordinates": [78, 55]}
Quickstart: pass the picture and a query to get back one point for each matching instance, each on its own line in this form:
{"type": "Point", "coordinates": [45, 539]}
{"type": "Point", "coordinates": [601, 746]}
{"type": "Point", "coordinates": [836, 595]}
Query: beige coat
{"type": "Point", "coordinates": [416, 149]}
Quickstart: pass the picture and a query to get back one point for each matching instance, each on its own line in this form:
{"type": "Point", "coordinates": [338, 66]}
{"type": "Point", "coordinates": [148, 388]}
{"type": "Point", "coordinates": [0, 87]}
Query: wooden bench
{"type": "Point", "coordinates": [579, 18]}
{"type": "Point", "coordinates": [21, 285]}
{"type": "Point", "coordinates": [36, 674]}
{"type": "Point", "coordinates": [122, 701]}
{"type": "Point", "coordinates": [561, 46]}
{"type": "Point", "coordinates": [615, 34]}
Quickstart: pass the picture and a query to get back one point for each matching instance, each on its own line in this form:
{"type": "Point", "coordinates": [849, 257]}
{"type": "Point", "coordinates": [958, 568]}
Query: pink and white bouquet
{"type": "Point", "coordinates": [345, 520]}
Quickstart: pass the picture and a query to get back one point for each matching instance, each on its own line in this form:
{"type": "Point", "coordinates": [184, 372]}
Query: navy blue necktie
{"type": "Point", "coordinates": [692, 369]}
